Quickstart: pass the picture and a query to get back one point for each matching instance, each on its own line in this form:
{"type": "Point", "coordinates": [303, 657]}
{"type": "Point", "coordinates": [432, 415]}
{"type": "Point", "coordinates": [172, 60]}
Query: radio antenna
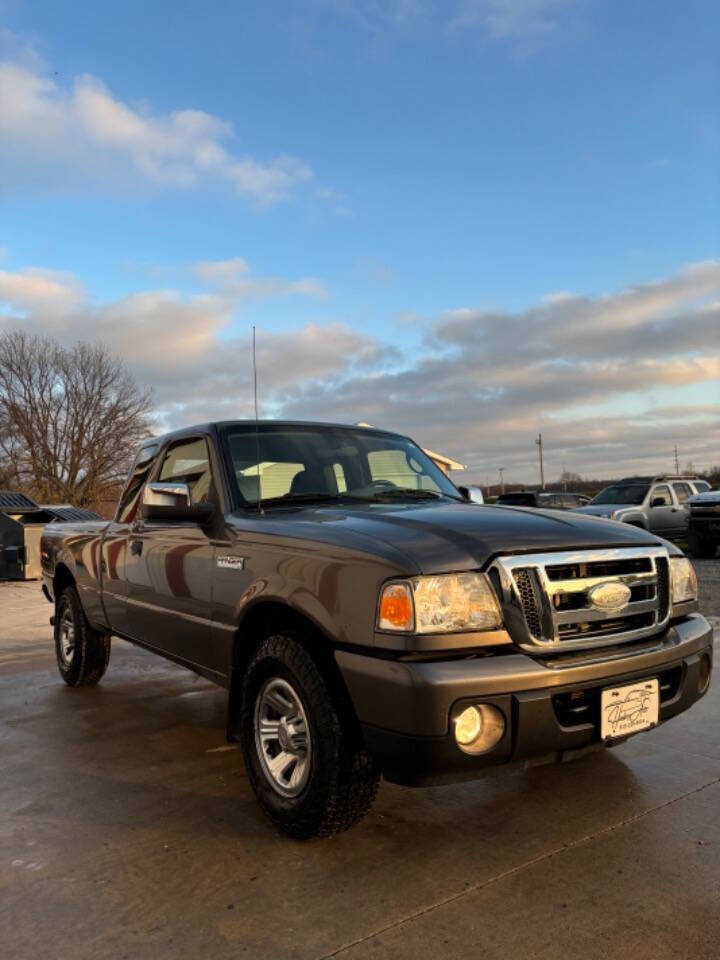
{"type": "Point", "coordinates": [257, 430]}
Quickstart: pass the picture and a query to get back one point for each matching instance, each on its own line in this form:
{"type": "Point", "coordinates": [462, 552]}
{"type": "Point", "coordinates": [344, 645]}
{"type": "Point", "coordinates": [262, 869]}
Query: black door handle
{"type": "Point", "coordinates": [136, 547]}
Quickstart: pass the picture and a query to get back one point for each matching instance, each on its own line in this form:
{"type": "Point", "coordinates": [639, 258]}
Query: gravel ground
{"type": "Point", "coordinates": [708, 572]}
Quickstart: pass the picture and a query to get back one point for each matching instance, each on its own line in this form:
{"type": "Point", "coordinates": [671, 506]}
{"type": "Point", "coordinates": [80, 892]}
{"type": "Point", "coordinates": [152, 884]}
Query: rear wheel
{"type": "Point", "coordinates": [303, 752]}
{"type": "Point", "coordinates": [82, 652]}
{"type": "Point", "coordinates": [701, 547]}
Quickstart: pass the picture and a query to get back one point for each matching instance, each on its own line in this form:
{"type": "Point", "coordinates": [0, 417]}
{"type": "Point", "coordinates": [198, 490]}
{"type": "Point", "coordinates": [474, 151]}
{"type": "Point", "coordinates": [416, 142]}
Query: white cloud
{"type": "Point", "coordinates": [526, 24]}
{"type": "Point", "coordinates": [83, 131]}
{"type": "Point", "coordinates": [233, 279]}
{"type": "Point", "coordinates": [40, 291]}
{"type": "Point", "coordinates": [606, 379]}
{"type": "Point", "coordinates": [221, 271]}
{"type": "Point", "coordinates": [514, 19]}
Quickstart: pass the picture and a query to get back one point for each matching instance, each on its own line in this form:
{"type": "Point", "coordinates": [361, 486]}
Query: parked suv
{"type": "Point", "coordinates": [542, 500]}
{"type": "Point", "coordinates": [657, 504]}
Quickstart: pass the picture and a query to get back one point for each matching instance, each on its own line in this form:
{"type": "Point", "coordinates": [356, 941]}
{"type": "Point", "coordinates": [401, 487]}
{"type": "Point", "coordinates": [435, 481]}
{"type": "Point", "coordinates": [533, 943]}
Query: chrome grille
{"type": "Point", "coordinates": [547, 605]}
{"type": "Point", "coordinates": [528, 599]}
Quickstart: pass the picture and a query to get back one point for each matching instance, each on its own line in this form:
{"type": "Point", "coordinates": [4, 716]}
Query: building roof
{"type": "Point", "coordinates": [448, 461]}
{"type": "Point", "coordinates": [15, 502]}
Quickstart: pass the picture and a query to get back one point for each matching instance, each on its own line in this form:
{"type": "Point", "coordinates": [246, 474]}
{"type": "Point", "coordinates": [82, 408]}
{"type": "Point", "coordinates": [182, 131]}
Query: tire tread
{"type": "Point", "coordinates": [350, 787]}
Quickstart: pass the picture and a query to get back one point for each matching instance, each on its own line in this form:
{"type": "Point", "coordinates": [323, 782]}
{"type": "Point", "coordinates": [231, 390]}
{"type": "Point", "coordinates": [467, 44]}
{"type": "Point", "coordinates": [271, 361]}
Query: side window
{"type": "Point", "coordinates": [682, 491]}
{"type": "Point", "coordinates": [661, 493]}
{"type": "Point", "coordinates": [130, 500]}
{"type": "Point", "coordinates": [702, 485]}
{"type": "Point", "coordinates": [188, 462]}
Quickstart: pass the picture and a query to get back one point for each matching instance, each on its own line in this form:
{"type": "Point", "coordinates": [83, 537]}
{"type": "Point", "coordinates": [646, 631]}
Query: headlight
{"type": "Point", "coordinates": [684, 580]}
{"type": "Point", "coordinates": [445, 604]}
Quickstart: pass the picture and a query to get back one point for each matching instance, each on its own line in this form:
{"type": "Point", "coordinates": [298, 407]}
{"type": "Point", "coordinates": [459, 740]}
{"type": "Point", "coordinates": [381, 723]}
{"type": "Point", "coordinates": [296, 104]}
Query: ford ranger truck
{"type": "Point", "coordinates": [367, 620]}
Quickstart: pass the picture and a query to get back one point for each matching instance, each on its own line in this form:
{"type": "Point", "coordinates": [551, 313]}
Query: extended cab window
{"type": "Point", "coordinates": [188, 462]}
{"type": "Point", "coordinates": [130, 500]}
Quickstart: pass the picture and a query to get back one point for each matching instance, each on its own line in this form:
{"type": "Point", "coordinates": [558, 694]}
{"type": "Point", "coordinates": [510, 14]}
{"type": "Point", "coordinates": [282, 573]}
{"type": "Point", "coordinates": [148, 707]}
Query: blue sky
{"type": "Point", "coordinates": [372, 169]}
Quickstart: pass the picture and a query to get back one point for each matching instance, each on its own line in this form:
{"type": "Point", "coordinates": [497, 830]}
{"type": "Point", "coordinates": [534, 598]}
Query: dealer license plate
{"type": "Point", "coordinates": [625, 710]}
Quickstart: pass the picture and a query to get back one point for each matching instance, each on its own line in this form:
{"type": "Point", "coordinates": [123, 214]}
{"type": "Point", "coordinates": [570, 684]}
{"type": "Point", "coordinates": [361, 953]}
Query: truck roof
{"type": "Point", "coordinates": [264, 425]}
{"type": "Point", "coordinates": [658, 477]}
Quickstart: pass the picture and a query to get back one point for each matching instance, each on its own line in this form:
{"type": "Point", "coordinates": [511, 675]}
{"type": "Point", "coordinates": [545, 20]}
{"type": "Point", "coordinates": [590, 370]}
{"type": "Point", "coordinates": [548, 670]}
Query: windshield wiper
{"type": "Point", "coordinates": [290, 498]}
{"type": "Point", "coordinates": [408, 493]}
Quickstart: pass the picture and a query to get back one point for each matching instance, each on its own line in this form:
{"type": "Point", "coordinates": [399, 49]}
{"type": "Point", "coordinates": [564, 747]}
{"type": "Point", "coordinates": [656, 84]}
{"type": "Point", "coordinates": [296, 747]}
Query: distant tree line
{"type": "Point", "coordinates": [71, 419]}
{"type": "Point", "coordinates": [574, 483]}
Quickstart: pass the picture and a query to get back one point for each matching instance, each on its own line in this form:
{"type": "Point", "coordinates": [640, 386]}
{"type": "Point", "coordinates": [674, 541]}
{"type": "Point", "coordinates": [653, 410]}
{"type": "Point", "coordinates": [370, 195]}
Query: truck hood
{"type": "Point", "coordinates": [441, 537]}
{"type": "Point", "coordinates": [605, 509]}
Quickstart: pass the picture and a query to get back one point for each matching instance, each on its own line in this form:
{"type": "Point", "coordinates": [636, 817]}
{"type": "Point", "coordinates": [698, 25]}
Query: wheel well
{"type": "Point", "coordinates": [270, 617]}
{"type": "Point", "coordinates": [63, 578]}
{"type": "Point", "coordinates": [636, 523]}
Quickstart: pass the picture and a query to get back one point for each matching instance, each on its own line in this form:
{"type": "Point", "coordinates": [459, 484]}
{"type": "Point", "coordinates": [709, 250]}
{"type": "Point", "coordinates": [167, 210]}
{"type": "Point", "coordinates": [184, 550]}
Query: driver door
{"type": "Point", "coordinates": [170, 564]}
{"type": "Point", "coordinates": [663, 517]}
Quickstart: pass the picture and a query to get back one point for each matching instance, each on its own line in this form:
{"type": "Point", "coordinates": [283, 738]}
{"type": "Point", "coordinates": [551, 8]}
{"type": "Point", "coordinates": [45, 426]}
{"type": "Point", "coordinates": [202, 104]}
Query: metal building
{"type": "Point", "coordinates": [21, 526]}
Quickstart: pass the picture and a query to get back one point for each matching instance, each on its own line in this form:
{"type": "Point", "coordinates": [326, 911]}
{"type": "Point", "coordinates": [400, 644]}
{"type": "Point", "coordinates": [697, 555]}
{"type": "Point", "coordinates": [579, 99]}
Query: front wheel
{"type": "Point", "coordinates": [82, 652]}
{"type": "Point", "coordinates": [305, 762]}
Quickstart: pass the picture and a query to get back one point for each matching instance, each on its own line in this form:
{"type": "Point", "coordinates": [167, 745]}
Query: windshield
{"type": "Point", "coordinates": [331, 463]}
{"type": "Point", "coordinates": [632, 493]}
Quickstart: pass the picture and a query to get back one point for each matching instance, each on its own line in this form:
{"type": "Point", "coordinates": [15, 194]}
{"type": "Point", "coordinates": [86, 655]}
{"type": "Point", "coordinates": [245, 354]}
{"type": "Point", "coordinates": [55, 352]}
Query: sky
{"type": "Point", "coordinates": [469, 220]}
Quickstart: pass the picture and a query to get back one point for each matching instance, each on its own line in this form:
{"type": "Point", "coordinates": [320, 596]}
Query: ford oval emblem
{"type": "Point", "coordinates": [609, 597]}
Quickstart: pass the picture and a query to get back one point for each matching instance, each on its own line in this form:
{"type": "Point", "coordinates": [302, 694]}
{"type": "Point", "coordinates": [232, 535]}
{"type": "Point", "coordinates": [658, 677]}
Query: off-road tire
{"type": "Point", "coordinates": [342, 781]}
{"type": "Point", "coordinates": [701, 547]}
{"type": "Point", "coordinates": [91, 652]}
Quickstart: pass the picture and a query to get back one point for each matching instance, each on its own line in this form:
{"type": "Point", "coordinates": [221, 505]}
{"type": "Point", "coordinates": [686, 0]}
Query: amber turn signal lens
{"type": "Point", "coordinates": [396, 608]}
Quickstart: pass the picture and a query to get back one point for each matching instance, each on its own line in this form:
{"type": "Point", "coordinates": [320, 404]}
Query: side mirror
{"type": "Point", "coordinates": [173, 502]}
{"type": "Point", "coordinates": [472, 494]}
{"type": "Point", "coordinates": [657, 502]}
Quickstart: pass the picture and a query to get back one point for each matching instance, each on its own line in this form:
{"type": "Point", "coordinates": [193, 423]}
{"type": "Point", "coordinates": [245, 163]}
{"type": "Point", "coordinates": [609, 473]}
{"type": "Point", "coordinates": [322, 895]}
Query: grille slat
{"type": "Point", "coordinates": [528, 598]}
{"type": "Point", "coordinates": [549, 606]}
{"type": "Point", "coordinates": [663, 587]}
{"type": "Point", "coordinates": [587, 614]}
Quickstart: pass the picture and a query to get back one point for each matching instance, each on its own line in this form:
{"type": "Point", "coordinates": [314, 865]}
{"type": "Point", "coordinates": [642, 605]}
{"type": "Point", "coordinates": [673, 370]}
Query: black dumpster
{"type": "Point", "coordinates": [21, 526]}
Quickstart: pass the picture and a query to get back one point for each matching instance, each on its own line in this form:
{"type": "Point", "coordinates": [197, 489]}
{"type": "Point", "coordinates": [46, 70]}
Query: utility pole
{"type": "Point", "coordinates": [564, 478]}
{"type": "Point", "coordinates": [677, 462]}
{"type": "Point", "coordinates": [542, 470]}
{"type": "Point", "coordinates": [502, 481]}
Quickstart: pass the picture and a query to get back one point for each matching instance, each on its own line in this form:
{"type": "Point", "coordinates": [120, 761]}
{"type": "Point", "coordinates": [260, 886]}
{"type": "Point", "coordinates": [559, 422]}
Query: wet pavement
{"type": "Point", "coordinates": [128, 830]}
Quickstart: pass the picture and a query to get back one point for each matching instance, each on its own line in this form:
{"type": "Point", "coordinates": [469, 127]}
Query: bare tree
{"type": "Point", "coordinates": [70, 419]}
{"type": "Point", "coordinates": [567, 476]}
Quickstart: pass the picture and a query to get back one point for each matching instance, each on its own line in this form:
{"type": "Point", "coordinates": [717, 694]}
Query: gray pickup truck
{"type": "Point", "coordinates": [658, 504]}
{"type": "Point", "coordinates": [368, 620]}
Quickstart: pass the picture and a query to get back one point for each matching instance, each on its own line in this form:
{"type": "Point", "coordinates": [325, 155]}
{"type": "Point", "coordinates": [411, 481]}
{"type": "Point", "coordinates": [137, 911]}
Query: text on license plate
{"type": "Point", "coordinates": [625, 710]}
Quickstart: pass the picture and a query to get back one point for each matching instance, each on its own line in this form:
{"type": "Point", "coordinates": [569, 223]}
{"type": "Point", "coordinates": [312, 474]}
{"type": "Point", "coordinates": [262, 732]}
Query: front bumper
{"type": "Point", "coordinates": [404, 706]}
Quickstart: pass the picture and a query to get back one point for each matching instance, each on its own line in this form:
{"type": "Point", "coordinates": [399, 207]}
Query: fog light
{"type": "Point", "coordinates": [704, 673]}
{"type": "Point", "coordinates": [468, 726]}
{"type": "Point", "coordinates": [479, 728]}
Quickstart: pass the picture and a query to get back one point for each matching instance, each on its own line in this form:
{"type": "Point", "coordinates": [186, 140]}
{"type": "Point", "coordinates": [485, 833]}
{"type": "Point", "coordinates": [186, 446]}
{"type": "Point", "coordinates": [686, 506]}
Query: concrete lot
{"type": "Point", "coordinates": [128, 830]}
